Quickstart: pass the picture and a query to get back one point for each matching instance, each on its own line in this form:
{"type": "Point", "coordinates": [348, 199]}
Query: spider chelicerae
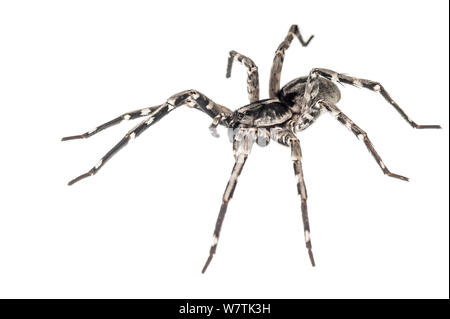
{"type": "Point", "coordinates": [287, 111]}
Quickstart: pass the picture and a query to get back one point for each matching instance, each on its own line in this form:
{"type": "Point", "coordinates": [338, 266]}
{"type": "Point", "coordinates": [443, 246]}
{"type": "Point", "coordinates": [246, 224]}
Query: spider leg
{"type": "Point", "coordinates": [360, 134]}
{"type": "Point", "coordinates": [127, 116]}
{"type": "Point", "coordinates": [191, 98]}
{"type": "Point", "coordinates": [241, 146]}
{"type": "Point", "coordinates": [287, 138]}
{"type": "Point", "coordinates": [136, 131]}
{"type": "Point", "coordinates": [277, 64]}
{"type": "Point", "coordinates": [252, 72]}
{"type": "Point", "coordinates": [373, 86]}
{"type": "Point", "coordinates": [219, 119]}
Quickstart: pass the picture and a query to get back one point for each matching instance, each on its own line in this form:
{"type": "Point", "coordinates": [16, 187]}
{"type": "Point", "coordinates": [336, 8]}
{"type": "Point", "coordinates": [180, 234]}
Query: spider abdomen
{"type": "Point", "coordinates": [295, 89]}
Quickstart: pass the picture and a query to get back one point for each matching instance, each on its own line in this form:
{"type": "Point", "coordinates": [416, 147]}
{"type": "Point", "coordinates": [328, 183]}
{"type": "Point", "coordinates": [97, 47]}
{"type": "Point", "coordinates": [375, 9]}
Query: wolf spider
{"type": "Point", "coordinates": [287, 111]}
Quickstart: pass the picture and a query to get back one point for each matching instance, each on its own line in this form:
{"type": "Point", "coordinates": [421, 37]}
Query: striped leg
{"type": "Point", "coordinates": [127, 116]}
{"type": "Point", "coordinates": [288, 138]}
{"type": "Point", "coordinates": [277, 64]}
{"type": "Point", "coordinates": [242, 149]}
{"type": "Point", "coordinates": [189, 98]}
{"type": "Point", "coordinates": [360, 134]}
{"type": "Point", "coordinates": [252, 72]}
{"type": "Point", "coordinates": [219, 119]}
{"type": "Point", "coordinates": [371, 85]}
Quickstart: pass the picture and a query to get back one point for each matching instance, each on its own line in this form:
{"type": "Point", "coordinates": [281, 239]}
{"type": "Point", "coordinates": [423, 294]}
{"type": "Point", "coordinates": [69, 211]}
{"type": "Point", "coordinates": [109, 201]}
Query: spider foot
{"type": "Point", "coordinates": [74, 137]}
{"type": "Point", "coordinates": [308, 242]}
{"type": "Point", "coordinates": [213, 131]}
{"type": "Point", "coordinates": [305, 44]}
{"type": "Point", "coordinates": [212, 251]}
{"type": "Point", "coordinates": [311, 257]}
{"type": "Point", "coordinates": [403, 178]}
{"type": "Point", "coordinates": [208, 261]}
{"type": "Point", "coordinates": [82, 176]}
{"type": "Point", "coordinates": [417, 126]}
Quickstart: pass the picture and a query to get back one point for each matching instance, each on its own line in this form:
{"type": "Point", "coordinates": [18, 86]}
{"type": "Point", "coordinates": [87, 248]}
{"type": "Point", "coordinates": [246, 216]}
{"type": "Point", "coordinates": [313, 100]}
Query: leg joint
{"type": "Point", "coordinates": [185, 97]}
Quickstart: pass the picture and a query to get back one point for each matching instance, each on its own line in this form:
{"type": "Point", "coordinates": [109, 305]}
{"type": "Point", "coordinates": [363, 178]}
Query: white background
{"type": "Point", "coordinates": [143, 225]}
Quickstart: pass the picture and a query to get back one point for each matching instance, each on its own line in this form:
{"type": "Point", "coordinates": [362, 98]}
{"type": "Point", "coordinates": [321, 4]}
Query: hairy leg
{"type": "Point", "coordinates": [361, 135]}
{"type": "Point", "coordinates": [252, 72]}
{"type": "Point", "coordinates": [286, 137]}
{"type": "Point", "coordinates": [277, 64]}
{"type": "Point", "coordinates": [124, 117]}
{"type": "Point", "coordinates": [241, 146]}
{"type": "Point", "coordinates": [368, 84]}
{"type": "Point", "coordinates": [190, 98]}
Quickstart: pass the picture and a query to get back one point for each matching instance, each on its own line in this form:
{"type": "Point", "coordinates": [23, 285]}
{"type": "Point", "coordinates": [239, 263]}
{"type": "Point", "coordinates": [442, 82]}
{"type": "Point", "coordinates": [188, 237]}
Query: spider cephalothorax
{"type": "Point", "coordinates": [288, 110]}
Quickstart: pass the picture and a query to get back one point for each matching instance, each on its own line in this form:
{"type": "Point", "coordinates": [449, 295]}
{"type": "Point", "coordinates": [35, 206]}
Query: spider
{"type": "Point", "coordinates": [287, 111]}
